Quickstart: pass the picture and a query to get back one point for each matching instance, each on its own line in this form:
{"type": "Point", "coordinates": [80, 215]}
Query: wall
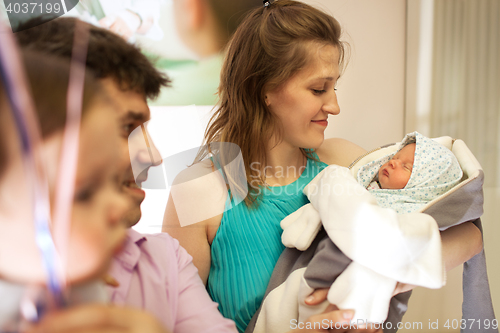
{"type": "Point", "coordinates": [371, 91]}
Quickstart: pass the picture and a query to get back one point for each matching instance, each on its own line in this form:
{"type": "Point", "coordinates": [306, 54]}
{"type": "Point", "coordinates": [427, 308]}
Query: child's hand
{"type": "Point", "coordinates": [110, 281]}
{"type": "Point", "coordinates": [98, 318]}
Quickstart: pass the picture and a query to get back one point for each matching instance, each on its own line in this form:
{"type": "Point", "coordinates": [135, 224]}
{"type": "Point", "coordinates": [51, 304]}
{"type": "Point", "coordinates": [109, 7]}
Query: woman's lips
{"type": "Point", "coordinates": [321, 122]}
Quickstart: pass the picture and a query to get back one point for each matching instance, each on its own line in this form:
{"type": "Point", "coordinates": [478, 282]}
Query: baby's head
{"type": "Point", "coordinates": [396, 173]}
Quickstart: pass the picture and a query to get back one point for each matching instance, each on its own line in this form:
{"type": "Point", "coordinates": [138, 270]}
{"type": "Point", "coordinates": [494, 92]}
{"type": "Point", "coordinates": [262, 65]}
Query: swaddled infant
{"type": "Point", "coordinates": [416, 174]}
{"type": "Point", "coordinates": [367, 226]}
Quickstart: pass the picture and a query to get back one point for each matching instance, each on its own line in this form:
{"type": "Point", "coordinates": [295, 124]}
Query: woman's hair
{"type": "Point", "coordinates": [267, 49]}
{"type": "Point", "coordinates": [47, 78]}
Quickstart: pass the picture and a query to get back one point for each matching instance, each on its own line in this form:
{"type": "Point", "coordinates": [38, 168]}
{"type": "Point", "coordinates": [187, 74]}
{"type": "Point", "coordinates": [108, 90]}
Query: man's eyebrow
{"type": "Point", "coordinates": [135, 115]}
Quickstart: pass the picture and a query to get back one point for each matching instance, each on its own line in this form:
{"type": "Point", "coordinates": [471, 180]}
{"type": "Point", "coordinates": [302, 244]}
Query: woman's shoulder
{"type": "Point", "coordinates": [339, 151]}
{"type": "Point", "coordinates": [201, 186]}
{"type": "Point", "coordinates": [199, 176]}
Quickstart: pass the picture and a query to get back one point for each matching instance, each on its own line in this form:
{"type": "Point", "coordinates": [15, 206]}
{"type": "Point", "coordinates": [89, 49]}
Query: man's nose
{"type": "Point", "coordinates": [149, 154]}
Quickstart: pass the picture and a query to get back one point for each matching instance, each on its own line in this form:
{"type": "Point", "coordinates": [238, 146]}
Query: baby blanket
{"type": "Point", "coordinates": [323, 262]}
{"type": "Point", "coordinates": [385, 247]}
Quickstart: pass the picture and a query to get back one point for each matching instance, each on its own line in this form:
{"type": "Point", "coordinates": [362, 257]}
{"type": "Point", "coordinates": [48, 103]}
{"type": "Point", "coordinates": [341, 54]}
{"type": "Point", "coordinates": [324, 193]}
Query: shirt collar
{"type": "Point", "coordinates": [131, 251]}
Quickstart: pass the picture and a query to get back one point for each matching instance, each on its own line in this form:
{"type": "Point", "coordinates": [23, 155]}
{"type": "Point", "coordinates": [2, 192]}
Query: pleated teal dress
{"type": "Point", "coordinates": [248, 244]}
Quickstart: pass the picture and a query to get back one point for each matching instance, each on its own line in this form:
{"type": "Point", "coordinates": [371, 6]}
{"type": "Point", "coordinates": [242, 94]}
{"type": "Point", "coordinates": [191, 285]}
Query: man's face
{"type": "Point", "coordinates": [134, 111]}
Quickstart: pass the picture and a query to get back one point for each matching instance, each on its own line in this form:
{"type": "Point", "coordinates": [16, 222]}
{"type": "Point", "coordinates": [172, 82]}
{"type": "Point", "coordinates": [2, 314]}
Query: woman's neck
{"type": "Point", "coordinates": [285, 164]}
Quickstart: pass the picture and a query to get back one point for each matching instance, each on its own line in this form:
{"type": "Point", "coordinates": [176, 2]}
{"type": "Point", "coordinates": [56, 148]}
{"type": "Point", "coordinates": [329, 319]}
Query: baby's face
{"type": "Point", "coordinates": [396, 172]}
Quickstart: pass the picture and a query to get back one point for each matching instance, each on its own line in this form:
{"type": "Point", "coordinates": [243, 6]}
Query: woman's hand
{"type": "Point", "coordinates": [331, 320]}
{"type": "Point", "coordinates": [318, 296]}
{"type": "Point", "coordinates": [402, 287]}
{"type": "Point", "coordinates": [98, 318]}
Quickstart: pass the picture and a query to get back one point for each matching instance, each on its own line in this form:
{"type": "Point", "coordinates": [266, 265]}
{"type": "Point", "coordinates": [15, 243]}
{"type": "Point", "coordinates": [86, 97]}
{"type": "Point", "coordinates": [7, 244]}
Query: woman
{"type": "Point", "coordinates": [277, 90]}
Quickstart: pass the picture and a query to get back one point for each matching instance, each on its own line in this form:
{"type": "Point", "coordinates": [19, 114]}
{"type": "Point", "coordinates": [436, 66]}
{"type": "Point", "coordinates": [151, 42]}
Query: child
{"type": "Point", "coordinates": [404, 181]}
{"type": "Point", "coordinates": [97, 206]}
{"type": "Point", "coordinates": [420, 171]}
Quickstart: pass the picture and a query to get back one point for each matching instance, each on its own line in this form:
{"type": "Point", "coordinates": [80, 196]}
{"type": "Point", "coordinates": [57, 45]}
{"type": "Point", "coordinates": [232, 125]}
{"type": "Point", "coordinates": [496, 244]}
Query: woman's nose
{"type": "Point", "coordinates": [331, 106]}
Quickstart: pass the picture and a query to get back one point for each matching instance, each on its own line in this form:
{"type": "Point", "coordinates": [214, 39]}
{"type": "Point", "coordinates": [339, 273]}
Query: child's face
{"type": "Point", "coordinates": [397, 171]}
{"type": "Point", "coordinates": [96, 230]}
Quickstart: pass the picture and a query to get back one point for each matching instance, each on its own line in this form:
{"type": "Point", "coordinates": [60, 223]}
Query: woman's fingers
{"type": "Point", "coordinates": [318, 296]}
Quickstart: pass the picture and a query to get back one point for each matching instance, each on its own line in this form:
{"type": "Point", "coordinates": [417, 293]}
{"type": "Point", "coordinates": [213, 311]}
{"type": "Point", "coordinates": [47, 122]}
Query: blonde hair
{"type": "Point", "coordinates": [266, 50]}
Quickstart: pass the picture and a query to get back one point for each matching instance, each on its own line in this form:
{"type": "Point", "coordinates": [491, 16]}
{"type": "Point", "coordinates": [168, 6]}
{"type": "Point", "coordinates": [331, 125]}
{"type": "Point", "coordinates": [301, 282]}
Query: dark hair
{"type": "Point", "coordinates": [47, 79]}
{"type": "Point", "coordinates": [108, 54]}
{"type": "Point", "coordinates": [267, 49]}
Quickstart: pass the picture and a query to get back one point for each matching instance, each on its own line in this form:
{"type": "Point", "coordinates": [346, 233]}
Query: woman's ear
{"type": "Point", "coordinates": [268, 101]}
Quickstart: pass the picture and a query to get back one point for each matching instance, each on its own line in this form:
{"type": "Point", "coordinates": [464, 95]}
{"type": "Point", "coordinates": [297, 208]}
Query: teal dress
{"type": "Point", "coordinates": [248, 244]}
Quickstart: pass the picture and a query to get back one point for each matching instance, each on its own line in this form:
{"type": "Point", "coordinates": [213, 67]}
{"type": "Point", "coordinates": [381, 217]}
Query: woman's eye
{"type": "Point", "coordinates": [319, 92]}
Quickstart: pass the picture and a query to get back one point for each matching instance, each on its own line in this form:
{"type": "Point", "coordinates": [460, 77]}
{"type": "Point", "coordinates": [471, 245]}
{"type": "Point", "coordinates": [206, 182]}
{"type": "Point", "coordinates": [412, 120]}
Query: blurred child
{"type": "Point", "coordinates": [96, 231]}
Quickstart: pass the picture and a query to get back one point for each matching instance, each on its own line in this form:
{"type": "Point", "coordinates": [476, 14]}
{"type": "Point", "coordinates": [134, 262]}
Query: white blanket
{"type": "Point", "coordinates": [385, 247]}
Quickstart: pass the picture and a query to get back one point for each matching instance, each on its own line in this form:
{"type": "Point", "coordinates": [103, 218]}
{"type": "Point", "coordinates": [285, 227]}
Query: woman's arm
{"type": "Point", "coordinates": [194, 211]}
{"type": "Point", "coordinates": [460, 243]}
{"type": "Point", "coordinates": [196, 312]}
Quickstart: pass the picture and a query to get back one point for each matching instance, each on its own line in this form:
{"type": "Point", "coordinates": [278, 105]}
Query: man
{"type": "Point", "coordinates": [152, 272]}
{"type": "Point", "coordinates": [128, 76]}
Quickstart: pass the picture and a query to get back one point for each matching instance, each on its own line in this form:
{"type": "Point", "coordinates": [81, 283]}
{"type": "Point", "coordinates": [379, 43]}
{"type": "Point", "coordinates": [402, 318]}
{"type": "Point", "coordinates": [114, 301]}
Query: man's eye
{"type": "Point", "coordinates": [84, 195]}
{"type": "Point", "coordinates": [127, 129]}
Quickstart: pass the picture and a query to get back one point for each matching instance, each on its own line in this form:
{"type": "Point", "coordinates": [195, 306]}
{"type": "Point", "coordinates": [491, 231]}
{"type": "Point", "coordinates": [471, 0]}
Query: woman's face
{"type": "Point", "coordinates": [304, 102]}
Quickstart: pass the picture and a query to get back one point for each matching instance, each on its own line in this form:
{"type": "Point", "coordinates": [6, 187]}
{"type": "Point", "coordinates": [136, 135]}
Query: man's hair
{"type": "Point", "coordinates": [109, 56]}
{"type": "Point", "coordinates": [47, 81]}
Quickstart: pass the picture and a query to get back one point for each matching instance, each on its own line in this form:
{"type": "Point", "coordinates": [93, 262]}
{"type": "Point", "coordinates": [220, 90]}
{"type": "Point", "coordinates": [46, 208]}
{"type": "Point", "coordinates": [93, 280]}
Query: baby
{"type": "Point", "coordinates": [379, 229]}
{"type": "Point", "coordinates": [419, 172]}
{"type": "Point", "coordinates": [396, 173]}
